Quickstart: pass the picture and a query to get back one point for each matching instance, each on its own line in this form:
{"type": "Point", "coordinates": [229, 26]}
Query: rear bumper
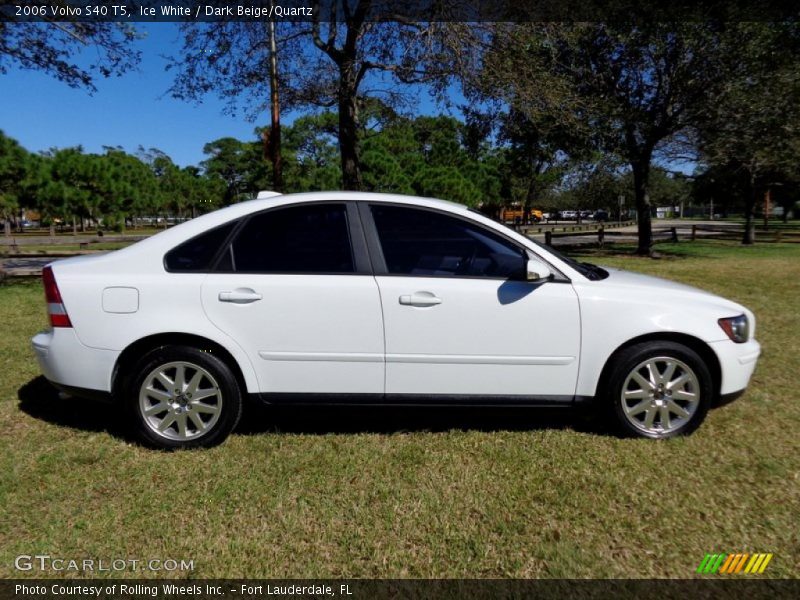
{"type": "Point", "coordinates": [68, 363]}
{"type": "Point", "coordinates": [737, 363]}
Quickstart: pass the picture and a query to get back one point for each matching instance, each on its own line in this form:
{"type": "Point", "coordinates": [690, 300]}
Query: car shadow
{"type": "Point", "coordinates": [321, 420]}
{"type": "Point", "coordinates": [42, 401]}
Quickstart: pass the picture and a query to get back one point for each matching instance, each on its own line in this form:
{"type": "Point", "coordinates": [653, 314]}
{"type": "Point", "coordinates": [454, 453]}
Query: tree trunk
{"type": "Point", "coordinates": [348, 128]}
{"type": "Point", "coordinates": [275, 132]}
{"type": "Point", "coordinates": [749, 236]}
{"type": "Point", "coordinates": [52, 228]}
{"type": "Point", "coordinates": [641, 180]}
{"type": "Point", "coordinates": [529, 198]}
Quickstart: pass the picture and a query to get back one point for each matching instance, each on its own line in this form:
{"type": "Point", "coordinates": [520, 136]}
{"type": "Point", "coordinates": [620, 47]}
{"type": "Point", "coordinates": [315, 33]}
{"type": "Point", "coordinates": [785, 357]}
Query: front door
{"type": "Point", "coordinates": [459, 317]}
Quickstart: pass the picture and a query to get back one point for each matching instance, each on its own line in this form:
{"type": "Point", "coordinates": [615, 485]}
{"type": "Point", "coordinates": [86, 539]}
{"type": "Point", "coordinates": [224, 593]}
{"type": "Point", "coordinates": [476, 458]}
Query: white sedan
{"type": "Point", "coordinates": [354, 298]}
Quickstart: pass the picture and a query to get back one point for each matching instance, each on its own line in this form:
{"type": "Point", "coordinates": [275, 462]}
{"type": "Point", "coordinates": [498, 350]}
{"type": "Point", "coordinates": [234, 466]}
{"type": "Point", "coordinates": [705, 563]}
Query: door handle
{"type": "Point", "coordinates": [240, 296]}
{"type": "Point", "coordinates": [420, 299]}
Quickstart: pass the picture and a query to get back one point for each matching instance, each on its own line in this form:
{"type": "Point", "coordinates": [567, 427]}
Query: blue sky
{"type": "Point", "coordinates": [41, 112]}
{"type": "Point", "coordinates": [135, 109]}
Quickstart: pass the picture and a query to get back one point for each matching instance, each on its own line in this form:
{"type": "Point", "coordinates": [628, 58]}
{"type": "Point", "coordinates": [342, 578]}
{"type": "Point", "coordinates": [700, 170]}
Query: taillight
{"type": "Point", "coordinates": [55, 306]}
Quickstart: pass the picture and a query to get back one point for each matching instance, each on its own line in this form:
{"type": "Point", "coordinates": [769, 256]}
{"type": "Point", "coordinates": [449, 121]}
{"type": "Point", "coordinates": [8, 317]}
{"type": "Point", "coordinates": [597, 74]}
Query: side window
{"type": "Point", "coordinates": [421, 242]}
{"type": "Point", "coordinates": [310, 238]}
{"type": "Point", "coordinates": [196, 254]}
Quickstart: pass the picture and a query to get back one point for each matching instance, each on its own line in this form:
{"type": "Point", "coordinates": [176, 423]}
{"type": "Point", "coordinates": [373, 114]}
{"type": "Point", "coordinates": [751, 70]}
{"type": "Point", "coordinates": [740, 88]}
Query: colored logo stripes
{"type": "Point", "coordinates": [729, 564]}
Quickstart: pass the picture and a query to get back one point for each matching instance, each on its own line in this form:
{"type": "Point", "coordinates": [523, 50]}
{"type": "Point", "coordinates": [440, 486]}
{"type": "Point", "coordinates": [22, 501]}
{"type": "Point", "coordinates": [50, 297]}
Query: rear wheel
{"type": "Point", "coordinates": [659, 390]}
{"type": "Point", "coordinates": [182, 397]}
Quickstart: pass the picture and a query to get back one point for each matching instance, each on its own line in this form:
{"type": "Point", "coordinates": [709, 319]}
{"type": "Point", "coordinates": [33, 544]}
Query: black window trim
{"type": "Point", "coordinates": [379, 262]}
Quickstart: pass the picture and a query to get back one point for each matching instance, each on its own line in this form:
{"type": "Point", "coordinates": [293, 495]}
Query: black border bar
{"type": "Point", "coordinates": [128, 11]}
{"type": "Point", "coordinates": [730, 587]}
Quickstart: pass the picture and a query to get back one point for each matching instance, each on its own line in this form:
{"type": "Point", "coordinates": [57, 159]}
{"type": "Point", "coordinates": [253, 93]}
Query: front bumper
{"type": "Point", "coordinates": [737, 363]}
{"type": "Point", "coordinates": [65, 361]}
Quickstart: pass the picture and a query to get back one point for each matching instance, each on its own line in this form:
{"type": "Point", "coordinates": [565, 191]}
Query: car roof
{"type": "Point", "coordinates": [217, 217]}
{"type": "Point", "coordinates": [274, 199]}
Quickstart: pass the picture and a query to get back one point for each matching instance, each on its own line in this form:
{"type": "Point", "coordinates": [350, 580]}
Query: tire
{"type": "Point", "coordinates": [181, 397]}
{"type": "Point", "coordinates": [658, 390]}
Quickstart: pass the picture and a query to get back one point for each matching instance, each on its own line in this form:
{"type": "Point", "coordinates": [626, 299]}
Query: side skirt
{"type": "Point", "coordinates": [417, 400]}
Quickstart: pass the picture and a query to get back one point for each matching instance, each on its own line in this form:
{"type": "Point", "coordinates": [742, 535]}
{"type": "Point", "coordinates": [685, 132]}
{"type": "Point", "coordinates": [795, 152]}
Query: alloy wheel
{"type": "Point", "coordinates": [180, 401]}
{"type": "Point", "coordinates": [660, 395]}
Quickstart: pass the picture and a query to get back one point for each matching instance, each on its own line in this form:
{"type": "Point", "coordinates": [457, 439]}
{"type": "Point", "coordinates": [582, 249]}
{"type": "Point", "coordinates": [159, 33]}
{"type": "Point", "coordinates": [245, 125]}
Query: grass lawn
{"type": "Point", "coordinates": [342, 493]}
{"type": "Point", "coordinates": [45, 248]}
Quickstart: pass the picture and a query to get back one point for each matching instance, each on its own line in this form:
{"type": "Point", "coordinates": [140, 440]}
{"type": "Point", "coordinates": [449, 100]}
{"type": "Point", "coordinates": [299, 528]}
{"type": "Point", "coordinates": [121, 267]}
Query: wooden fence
{"type": "Point", "coordinates": [731, 232]}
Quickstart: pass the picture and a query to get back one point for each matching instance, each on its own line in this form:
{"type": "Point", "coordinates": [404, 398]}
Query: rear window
{"type": "Point", "coordinates": [197, 254]}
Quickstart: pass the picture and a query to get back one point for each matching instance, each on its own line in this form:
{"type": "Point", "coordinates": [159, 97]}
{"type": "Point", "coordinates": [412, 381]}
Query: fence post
{"type": "Point", "coordinates": [674, 234]}
{"type": "Point", "coordinates": [548, 238]}
{"type": "Point", "coordinates": [778, 235]}
{"type": "Point", "coordinates": [601, 236]}
{"type": "Point", "coordinates": [694, 232]}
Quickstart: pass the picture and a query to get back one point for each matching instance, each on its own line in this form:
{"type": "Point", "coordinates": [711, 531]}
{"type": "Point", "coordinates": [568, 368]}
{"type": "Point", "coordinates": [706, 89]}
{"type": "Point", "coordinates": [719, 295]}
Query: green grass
{"type": "Point", "coordinates": [55, 248]}
{"type": "Point", "coordinates": [313, 494]}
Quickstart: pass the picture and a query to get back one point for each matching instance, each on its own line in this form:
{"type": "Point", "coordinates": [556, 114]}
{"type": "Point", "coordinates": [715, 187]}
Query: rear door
{"type": "Point", "coordinates": [296, 291]}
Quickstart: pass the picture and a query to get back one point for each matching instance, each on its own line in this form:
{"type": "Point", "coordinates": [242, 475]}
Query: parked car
{"type": "Point", "coordinates": [569, 214]}
{"type": "Point", "coordinates": [600, 216]}
{"type": "Point", "coordinates": [357, 298]}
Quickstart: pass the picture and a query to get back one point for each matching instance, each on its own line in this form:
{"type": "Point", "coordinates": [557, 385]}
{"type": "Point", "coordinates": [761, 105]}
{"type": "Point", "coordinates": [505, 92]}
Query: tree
{"type": "Point", "coordinates": [56, 49]}
{"type": "Point", "coordinates": [311, 156]}
{"type": "Point", "coordinates": [625, 89]}
{"type": "Point", "coordinates": [324, 63]}
{"type": "Point", "coordinates": [71, 185]}
{"type": "Point", "coordinates": [536, 155]}
{"type": "Point", "coordinates": [237, 164]}
{"type": "Point", "coordinates": [592, 183]}
{"type": "Point", "coordinates": [13, 170]}
{"type": "Point", "coordinates": [752, 131]}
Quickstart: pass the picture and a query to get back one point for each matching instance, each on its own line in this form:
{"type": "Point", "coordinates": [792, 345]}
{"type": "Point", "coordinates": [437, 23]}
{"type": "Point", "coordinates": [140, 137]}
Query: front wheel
{"type": "Point", "coordinates": [659, 390]}
{"type": "Point", "coordinates": [182, 397]}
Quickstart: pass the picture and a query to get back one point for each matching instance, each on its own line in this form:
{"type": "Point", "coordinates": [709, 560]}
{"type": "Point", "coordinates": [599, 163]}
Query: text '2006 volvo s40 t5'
{"type": "Point", "coordinates": [381, 299]}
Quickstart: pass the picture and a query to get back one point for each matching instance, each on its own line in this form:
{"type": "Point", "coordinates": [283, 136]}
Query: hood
{"type": "Point", "coordinates": [639, 284]}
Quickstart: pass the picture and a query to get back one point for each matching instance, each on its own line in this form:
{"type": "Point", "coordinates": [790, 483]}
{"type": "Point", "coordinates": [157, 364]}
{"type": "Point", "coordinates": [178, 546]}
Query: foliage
{"type": "Point", "coordinates": [238, 164]}
{"type": "Point", "coordinates": [58, 49]}
{"type": "Point", "coordinates": [621, 89]}
{"type": "Point", "coordinates": [752, 131]}
{"type": "Point", "coordinates": [13, 170]}
{"type": "Point", "coordinates": [322, 64]}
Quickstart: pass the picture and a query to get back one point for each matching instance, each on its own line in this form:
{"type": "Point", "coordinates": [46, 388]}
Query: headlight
{"type": "Point", "coordinates": [736, 328]}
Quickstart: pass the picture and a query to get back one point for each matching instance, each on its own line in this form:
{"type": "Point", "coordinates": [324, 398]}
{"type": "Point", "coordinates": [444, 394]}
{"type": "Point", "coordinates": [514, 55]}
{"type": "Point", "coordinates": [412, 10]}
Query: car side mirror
{"type": "Point", "coordinates": [537, 271]}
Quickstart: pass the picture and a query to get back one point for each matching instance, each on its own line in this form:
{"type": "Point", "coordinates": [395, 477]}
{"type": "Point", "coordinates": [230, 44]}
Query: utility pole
{"type": "Point", "coordinates": [273, 139]}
